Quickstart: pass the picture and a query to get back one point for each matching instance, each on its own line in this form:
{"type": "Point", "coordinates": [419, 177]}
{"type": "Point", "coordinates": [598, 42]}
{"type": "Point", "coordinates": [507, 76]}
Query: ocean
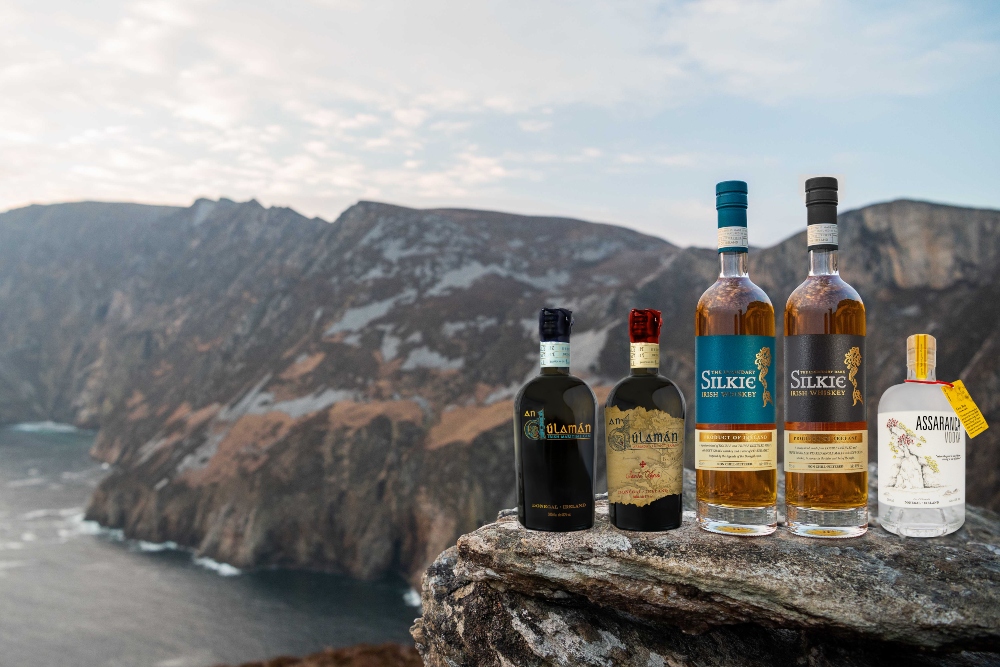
{"type": "Point", "coordinates": [76, 595]}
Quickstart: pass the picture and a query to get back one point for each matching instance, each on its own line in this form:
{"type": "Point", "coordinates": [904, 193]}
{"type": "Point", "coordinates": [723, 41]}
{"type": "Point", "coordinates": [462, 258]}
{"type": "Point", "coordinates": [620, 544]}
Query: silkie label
{"type": "Point", "coordinates": [825, 378]}
{"type": "Point", "coordinates": [734, 379]}
{"type": "Point", "coordinates": [921, 456]}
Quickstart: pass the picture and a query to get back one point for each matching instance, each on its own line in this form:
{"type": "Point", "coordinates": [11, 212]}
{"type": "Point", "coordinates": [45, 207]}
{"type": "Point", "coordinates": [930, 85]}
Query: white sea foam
{"type": "Point", "coordinates": [412, 598]}
{"type": "Point", "coordinates": [223, 569]}
{"type": "Point", "coordinates": [44, 427]}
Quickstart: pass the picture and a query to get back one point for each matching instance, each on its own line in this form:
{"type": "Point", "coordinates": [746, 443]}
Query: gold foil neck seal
{"type": "Point", "coordinates": [921, 354]}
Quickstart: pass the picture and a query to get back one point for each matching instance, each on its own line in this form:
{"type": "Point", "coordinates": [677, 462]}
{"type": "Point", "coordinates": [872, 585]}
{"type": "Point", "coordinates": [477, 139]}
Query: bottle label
{"type": "Point", "coordinates": [735, 450]}
{"type": "Point", "coordinates": [826, 451]}
{"type": "Point", "coordinates": [534, 426]}
{"type": "Point", "coordinates": [644, 355]}
{"type": "Point", "coordinates": [555, 355]}
{"type": "Point", "coordinates": [821, 235]}
{"type": "Point", "coordinates": [966, 409]}
{"type": "Point", "coordinates": [733, 238]}
{"type": "Point", "coordinates": [645, 455]}
{"type": "Point", "coordinates": [825, 378]}
{"type": "Point", "coordinates": [735, 379]}
{"type": "Point", "coordinates": [921, 458]}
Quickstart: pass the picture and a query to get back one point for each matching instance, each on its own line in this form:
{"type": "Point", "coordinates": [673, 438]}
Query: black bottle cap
{"type": "Point", "coordinates": [554, 325]}
{"type": "Point", "coordinates": [821, 190]}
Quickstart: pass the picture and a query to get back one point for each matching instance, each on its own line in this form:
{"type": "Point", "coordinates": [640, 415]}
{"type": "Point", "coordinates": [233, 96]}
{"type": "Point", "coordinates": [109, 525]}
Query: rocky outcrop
{"type": "Point", "coordinates": [277, 390]}
{"type": "Point", "coordinates": [363, 655]}
{"type": "Point", "coordinates": [507, 596]}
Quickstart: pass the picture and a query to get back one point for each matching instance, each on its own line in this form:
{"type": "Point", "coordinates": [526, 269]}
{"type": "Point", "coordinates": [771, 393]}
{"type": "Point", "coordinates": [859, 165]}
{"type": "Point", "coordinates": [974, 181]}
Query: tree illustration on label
{"type": "Point", "coordinates": [909, 467]}
{"type": "Point", "coordinates": [853, 362]}
{"type": "Point", "coordinates": [763, 361]}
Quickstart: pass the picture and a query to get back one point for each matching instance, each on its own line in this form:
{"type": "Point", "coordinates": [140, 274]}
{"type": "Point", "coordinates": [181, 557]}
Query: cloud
{"type": "Point", "coordinates": [316, 104]}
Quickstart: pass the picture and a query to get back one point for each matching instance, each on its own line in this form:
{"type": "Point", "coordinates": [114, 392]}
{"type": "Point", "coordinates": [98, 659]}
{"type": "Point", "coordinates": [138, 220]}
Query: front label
{"type": "Point", "coordinates": [645, 455]}
{"type": "Point", "coordinates": [825, 378]}
{"type": "Point", "coordinates": [826, 451]}
{"type": "Point", "coordinates": [734, 379]}
{"type": "Point", "coordinates": [554, 355]}
{"type": "Point", "coordinates": [534, 426]}
{"type": "Point", "coordinates": [921, 459]}
{"type": "Point", "coordinates": [736, 450]}
{"type": "Point", "coordinates": [644, 355]}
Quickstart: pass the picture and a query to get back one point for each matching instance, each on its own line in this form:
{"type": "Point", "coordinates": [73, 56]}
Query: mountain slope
{"type": "Point", "coordinates": [275, 390]}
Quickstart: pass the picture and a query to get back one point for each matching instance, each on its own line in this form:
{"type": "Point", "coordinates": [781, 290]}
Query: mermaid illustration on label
{"type": "Point", "coordinates": [763, 362]}
{"type": "Point", "coordinates": [853, 362]}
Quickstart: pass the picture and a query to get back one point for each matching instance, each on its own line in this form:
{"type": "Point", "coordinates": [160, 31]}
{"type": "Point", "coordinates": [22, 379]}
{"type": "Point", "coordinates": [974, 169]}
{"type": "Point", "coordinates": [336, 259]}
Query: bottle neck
{"type": "Point", "coordinates": [823, 263]}
{"type": "Point", "coordinates": [911, 374]}
{"type": "Point", "coordinates": [554, 370]}
{"type": "Point", "coordinates": [733, 264]}
{"type": "Point", "coordinates": [645, 372]}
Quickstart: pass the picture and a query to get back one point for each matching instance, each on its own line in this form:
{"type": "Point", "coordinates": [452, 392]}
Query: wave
{"type": "Point", "coordinates": [223, 569]}
{"type": "Point", "coordinates": [44, 427]}
{"type": "Point", "coordinates": [412, 598]}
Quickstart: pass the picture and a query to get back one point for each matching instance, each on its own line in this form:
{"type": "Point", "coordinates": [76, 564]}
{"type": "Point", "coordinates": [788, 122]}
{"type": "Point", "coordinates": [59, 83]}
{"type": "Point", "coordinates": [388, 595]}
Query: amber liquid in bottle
{"type": "Point", "coordinates": [734, 306]}
{"type": "Point", "coordinates": [825, 304]}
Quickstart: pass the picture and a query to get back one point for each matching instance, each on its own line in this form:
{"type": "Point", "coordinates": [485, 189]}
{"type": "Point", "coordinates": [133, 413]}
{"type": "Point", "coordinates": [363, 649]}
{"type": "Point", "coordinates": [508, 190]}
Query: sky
{"type": "Point", "coordinates": [623, 111]}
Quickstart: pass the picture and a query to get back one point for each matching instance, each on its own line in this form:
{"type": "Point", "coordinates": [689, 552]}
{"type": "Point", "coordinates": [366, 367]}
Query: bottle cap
{"type": "Point", "coordinates": [821, 190]}
{"type": "Point", "coordinates": [921, 354]}
{"type": "Point", "coordinates": [644, 325]}
{"type": "Point", "coordinates": [731, 204]}
{"type": "Point", "coordinates": [554, 325]}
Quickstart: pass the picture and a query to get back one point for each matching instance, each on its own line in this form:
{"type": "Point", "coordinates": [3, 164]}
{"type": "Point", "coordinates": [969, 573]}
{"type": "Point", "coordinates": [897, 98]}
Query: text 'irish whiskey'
{"type": "Point", "coordinates": [554, 437]}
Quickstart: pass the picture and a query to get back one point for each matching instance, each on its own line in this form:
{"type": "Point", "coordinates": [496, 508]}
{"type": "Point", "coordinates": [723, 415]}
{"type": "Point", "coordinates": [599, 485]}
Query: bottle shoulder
{"type": "Point", "coordinates": [912, 396]}
{"type": "Point", "coordinates": [822, 293]}
{"type": "Point", "coordinates": [547, 383]}
{"type": "Point", "coordinates": [730, 293]}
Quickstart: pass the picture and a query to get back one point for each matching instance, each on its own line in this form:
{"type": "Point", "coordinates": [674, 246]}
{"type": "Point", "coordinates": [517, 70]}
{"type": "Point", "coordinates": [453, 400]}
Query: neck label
{"type": "Point", "coordinates": [555, 355]}
{"type": "Point", "coordinates": [733, 239]}
{"type": "Point", "coordinates": [821, 235]}
{"type": "Point", "coordinates": [644, 355]}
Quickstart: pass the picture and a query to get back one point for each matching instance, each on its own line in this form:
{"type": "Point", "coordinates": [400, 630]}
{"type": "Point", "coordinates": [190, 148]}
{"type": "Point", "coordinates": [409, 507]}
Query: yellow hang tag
{"type": "Point", "coordinates": [966, 409]}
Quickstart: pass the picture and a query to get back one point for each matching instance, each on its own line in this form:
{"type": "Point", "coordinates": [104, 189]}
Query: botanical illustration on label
{"type": "Point", "coordinates": [535, 427]}
{"type": "Point", "coordinates": [826, 451]}
{"type": "Point", "coordinates": [734, 236]}
{"type": "Point", "coordinates": [921, 459]}
{"type": "Point", "coordinates": [825, 378]}
{"type": "Point", "coordinates": [736, 450]}
{"type": "Point", "coordinates": [735, 379]}
{"type": "Point", "coordinates": [644, 355]}
{"type": "Point", "coordinates": [645, 455]}
{"type": "Point", "coordinates": [823, 234]}
{"type": "Point", "coordinates": [554, 355]}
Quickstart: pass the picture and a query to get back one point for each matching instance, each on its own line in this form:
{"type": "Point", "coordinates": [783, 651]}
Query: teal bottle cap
{"type": "Point", "coordinates": [731, 203]}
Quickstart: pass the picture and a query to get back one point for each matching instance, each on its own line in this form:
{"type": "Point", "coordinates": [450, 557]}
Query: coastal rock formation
{"type": "Point", "coordinates": [507, 596]}
{"type": "Point", "coordinates": [277, 390]}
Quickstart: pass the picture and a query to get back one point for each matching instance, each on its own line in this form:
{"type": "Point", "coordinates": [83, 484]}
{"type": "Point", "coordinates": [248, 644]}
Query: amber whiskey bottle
{"type": "Point", "coordinates": [826, 432]}
{"type": "Point", "coordinates": [644, 429]}
{"type": "Point", "coordinates": [554, 437]}
{"type": "Point", "coordinates": [735, 432]}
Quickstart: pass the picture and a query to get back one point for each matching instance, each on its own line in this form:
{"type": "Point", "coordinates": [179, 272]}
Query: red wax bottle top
{"type": "Point", "coordinates": [644, 325]}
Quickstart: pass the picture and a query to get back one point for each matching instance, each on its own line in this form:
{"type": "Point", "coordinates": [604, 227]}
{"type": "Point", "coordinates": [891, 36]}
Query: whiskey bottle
{"type": "Point", "coordinates": [554, 437]}
{"type": "Point", "coordinates": [826, 432]}
{"type": "Point", "coordinates": [644, 429]}
{"type": "Point", "coordinates": [921, 451]}
{"type": "Point", "coordinates": [736, 446]}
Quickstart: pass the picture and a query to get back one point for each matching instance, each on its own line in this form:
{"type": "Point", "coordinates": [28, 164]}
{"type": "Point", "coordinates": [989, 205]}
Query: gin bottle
{"type": "Point", "coordinates": [921, 451]}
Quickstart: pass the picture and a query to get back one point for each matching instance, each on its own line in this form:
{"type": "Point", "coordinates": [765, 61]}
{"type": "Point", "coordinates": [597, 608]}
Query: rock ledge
{"type": "Point", "coordinates": [507, 596]}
